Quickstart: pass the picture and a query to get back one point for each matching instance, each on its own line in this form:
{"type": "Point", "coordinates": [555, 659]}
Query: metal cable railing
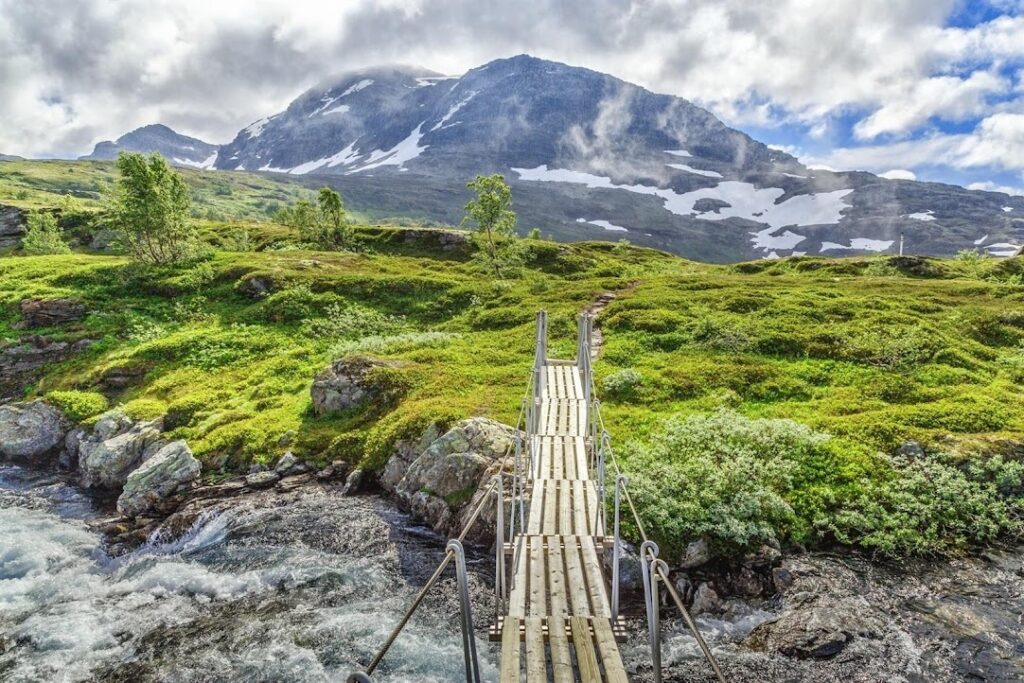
{"type": "Point", "coordinates": [653, 570]}
{"type": "Point", "coordinates": [455, 551]}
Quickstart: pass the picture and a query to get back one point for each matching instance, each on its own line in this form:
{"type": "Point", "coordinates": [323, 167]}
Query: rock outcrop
{"type": "Point", "coordinates": [346, 383]}
{"type": "Point", "coordinates": [443, 482]}
{"type": "Point", "coordinates": [12, 226]}
{"type": "Point", "coordinates": [169, 470]}
{"type": "Point", "coordinates": [23, 362]}
{"type": "Point", "coordinates": [31, 433]}
{"type": "Point", "coordinates": [50, 312]}
{"type": "Point", "coordinates": [116, 447]}
{"type": "Point", "coordinates": [404, 454]}
{"type": "Point", "coordinates": [823, 612]}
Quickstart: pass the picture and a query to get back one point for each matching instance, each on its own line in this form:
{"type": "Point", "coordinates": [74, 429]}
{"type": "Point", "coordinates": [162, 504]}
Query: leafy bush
{"type": "Point", "coordinates": [622, 384]}
{"type": "Point", "coordinates": [350, 321]}
{"type": "Point", "coordinates": [78, 405]}
{"type": "Point", "coordinates": [145, 409]}
{"type": "Point", "coordinates": [289, 305]}
{"type": "Point", "coordinates": [42, 236]}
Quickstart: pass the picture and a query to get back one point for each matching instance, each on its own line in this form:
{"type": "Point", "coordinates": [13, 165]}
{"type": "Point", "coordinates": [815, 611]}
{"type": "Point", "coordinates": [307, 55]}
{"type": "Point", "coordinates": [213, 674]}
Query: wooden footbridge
{"type": "Point", "coordinates": [557, 617]}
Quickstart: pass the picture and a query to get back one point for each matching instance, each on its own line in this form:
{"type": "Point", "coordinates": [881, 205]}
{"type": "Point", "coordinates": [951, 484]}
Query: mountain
{"type": "Point", "coordinates": [178, 149]}
{"type": "Point", "coordinates": [591, 156]}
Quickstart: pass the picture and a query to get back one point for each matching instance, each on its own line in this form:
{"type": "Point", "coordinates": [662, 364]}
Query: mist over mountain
{"type": "Point", "coordinates": [589, 156]}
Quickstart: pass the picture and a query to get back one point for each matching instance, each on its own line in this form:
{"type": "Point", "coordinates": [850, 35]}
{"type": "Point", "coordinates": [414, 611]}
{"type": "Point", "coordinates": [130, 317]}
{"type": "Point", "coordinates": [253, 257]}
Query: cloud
{"type": "Point", "coordinates": [899, 174]}
{"type": "Point", "coordinates": [989, 186]}
{"type": "Point", "coordinates": [73, 72]}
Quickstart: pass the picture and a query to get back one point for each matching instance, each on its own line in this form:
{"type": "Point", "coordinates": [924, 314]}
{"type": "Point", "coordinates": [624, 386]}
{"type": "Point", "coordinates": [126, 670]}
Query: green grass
{"type": "Point", "coordinates": [842, 360]}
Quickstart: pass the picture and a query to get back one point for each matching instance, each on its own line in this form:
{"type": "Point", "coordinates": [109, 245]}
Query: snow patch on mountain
{"type": "Point", "coordinates": [603, 224]}
{"type": "Point", "coordinates": [697, 171]}
{"type": "Point", "coordinates": [744, 199]}
{"type": "Point", "coordinates": [206, 163]}
{"type": "Point", "coordinates": [922, 216]}
{"type": "Point", "coordinates": [980, 241]}
{"type": "Point", "coordinates": [340, 109]}
{"type": "Point", "coordinates": [859, 244]}
{"type": "Point", "coordinates": [1002, 249]}
{"type": "Point", "coordinates": [356, 87]}
{"type": "Point", "coordinates": [453, 110]}
{"type": "Point", "coordinates": [1007, 209]}
{"type": "Point", "coordinates": [255, 129]}
{"type": "Point", "coordinates": [406, 150]}
{"type": "Point", "coordinates": [678, 152]}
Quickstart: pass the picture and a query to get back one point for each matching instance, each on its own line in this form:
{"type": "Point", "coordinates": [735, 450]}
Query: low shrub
{"type": "Point", "coordinates": [78, 406]}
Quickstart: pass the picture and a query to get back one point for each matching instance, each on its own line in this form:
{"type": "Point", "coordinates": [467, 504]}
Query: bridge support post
{"type": "Point", "coordinates": [648, 556]}
{"type": "Point", "coordinates": [499, 546]}
{"type": "Point", "coordinates": [468, 635]}
{"type": "Point", "coordinates": [620, 483]}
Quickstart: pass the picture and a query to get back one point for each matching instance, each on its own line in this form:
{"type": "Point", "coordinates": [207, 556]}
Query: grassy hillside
{"type": "Point", "coordinates": [768, 400]}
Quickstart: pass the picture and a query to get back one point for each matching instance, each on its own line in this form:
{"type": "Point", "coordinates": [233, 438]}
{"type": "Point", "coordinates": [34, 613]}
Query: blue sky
{"type": "Point", "coordinates": [932, 89]}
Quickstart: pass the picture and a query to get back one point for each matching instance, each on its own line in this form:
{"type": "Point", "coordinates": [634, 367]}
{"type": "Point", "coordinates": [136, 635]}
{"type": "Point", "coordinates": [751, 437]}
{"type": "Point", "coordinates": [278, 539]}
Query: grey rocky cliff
{"type": "Point", "coordinates": [31, 433]}
{"type": "Point", "coordinates": [442, 485]}
{"type": "Point", "coordinates": [169, 470]}
{"type": "Point", "coordinates": [24, 361]}
{"type": "Point", "coordinates": [49, 312]}
{"type": "Point", "coordinates": [12, 226]}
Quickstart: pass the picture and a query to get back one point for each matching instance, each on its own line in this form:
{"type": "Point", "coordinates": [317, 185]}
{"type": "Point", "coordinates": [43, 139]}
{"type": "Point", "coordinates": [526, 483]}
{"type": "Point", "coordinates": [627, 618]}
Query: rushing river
{"type": "Point", "coordinates": [305, 586]}
{"type": "Point", "coordinates": [302, 591]}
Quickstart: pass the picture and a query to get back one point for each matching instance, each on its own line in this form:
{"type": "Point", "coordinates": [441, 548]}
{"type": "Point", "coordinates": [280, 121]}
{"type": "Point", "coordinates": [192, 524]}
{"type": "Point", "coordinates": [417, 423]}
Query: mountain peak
{"type": "Point", "coordinates": [156, 137]}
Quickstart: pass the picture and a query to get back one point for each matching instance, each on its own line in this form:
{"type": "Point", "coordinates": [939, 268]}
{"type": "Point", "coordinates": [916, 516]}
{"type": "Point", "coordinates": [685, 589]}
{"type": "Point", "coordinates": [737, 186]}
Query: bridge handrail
{"type": "Point", "coordinates": [452, 549]}
{"type": "Point", "coordinates": [648, 547]}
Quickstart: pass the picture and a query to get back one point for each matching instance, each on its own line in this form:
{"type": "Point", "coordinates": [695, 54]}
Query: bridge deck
{"type": "Point", "coordinates": [559, 626]}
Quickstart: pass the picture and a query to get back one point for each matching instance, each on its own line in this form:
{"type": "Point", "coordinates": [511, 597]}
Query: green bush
{"type": "Point", "coordinates": [78, 406]}
{"type": "Point", "coordinates": [289, 305]}
{"type": "Point", "coordinates": [42, 236]}
{"type": "Point", "coordinates": [622, 384]}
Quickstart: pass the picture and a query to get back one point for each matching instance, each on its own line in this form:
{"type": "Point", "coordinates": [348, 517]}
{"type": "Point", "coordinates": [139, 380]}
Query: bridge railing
{"type": "Point", "coordinates": [654, 571]}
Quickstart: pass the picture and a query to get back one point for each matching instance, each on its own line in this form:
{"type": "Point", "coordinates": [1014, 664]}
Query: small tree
{"type": "Point", "coordinates": [42, 236]}
{"type": "Point", "coordinates": [495, 220]}
{"type": "Point", "coordinates": [332, 217]}
{"type": "Point", "coordinates": [151, 209]}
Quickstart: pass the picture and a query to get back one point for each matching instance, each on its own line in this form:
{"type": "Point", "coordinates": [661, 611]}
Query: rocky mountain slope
{"type": "Point", "coordinates": [180, 149]}
{"type": "Point", "coordinates": [591, 156]}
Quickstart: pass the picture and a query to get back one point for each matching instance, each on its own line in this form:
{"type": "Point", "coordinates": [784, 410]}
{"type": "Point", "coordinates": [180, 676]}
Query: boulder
{"type": "Point", "coordinates": [170, 469]}
{"type": "Point", "coordinates": [257, 286]}
{"type": "Point", "coordinates": [262, 480]}
{"type": "Point", "coordinates": [630, 578]}
{"type": "Point", "coordinates": [50, 312]}
{"type": "Point", "coordinates": [705, 600]}
{"type": "Point", "coordinates": [346, 383]}
{"type": "Point", "coordinates": [444, 481]}
{"type": "Point", "coordinates": [697, 553]}
{"type": "Point", "coordinates": [817, 632]}
{"type": "Point", "coordinates": [286, 463]}
{"type": "Point", "coordinates": [911, 449]}
{"type": "Point", "coordinates": [106, 457]}
{"type": "Point", "coordinates": [69, 456]}
{"type": "Point", "coordinates": [31, 433]}
{"type": "Point", "coordinates": [404, 454]}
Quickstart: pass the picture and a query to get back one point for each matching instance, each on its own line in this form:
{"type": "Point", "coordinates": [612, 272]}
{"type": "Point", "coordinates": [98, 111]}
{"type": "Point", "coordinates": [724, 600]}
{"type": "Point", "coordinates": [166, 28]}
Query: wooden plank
{"type": "Point", "coordinates": [569, 458]}
{"type": "Point", "coordinates": [517, 597]}
{"type": "Point", "coordinates": [538, 578]}
{"type": "Point", "coordinates": [575, 579]}
{"type": "Point", "coordinates": [614, 672]}
{"type": "Point", "coordinates": [595, 581]}
{"type": "Point", "coordinates": [533, 527]}
{"type": "Point", "coordinates": [581, 520]}
{"type": "Point", "coordinates": [536, 668]}
{"type": "Point", "coordinates": [565, 508]}
{"type": "Point", "coordinates": [551, 506]}
{"type": "Point", "coordinates": [574, 424]}
{"type": "Point", "coordinates": [556, 576]}
{"type": "Point", "coordinates": [577, 383]}
{"type": "Point", "coordinates": [580, 451]}
{"type": "Point", "coordinates": [593, 509]}
{"type": "Point", "coordinates": [510, 651]}
{"type": "Point", "coordinates": [561, 663]}
{"type": "Point", "coordinates": [586, 658]}
{"type": "Point", "coordinates": [557, 459]}
{"type": "Point", "coordinates": [549, 376]}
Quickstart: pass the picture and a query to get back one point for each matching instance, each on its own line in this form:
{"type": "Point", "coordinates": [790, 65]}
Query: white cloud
{"type": "Point", "coordinates": [989, 186]}
{"type": "Point", "coordinates": [76, 71]}
{"type": "Point", "coordinates": [899, 174]}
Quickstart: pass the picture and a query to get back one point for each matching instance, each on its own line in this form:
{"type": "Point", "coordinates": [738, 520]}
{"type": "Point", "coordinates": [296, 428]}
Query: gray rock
{"type": "Point", "coordinates": [354, 481]}
{"type": "Point", "coordinates": [49, 312]}
{"type": "Point", "coordinates": [629, 566]}
{"type": "Point", "coordinates": [257, 286]}
{"type": "Point", "coordinates": [286, 463]}
{"type": "Point", "coordinates": [817, 632]}
{"type": "Point", "coordinates": [697, 553]}
{"type": "Point", "coordinates": [405, 453]}
{"type": "Point", "coordinates": [31, 433]}
{"type": "Point", "coordinates": [106, 462]}
{"type": "Point", "coordinates": [69, 456]}
{"type": "Point", "coordinates": [445, 479]}
{"type": "Point", "coordinates": [23, 362]}
{"type": "Point", "coordinates": [12, 226]}
{"type": "Point", "coordinates": [911, 449]}
{"type": "Point", "coordinates": [261, 480]}
{"type": "Point", "coordinates": [170, 469]}
{"type": "Point", "coordinates": [705, 600]}
{"type": "Point", "coordinates": [765, 556]}
{"type": "Point", "coordinates": [346, 383]}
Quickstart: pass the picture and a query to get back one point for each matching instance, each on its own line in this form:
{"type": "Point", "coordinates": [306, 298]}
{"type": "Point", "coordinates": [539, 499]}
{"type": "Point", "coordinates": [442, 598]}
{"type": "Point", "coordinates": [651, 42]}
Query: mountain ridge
{"type": "Point", "coordinates": [590, 155]}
